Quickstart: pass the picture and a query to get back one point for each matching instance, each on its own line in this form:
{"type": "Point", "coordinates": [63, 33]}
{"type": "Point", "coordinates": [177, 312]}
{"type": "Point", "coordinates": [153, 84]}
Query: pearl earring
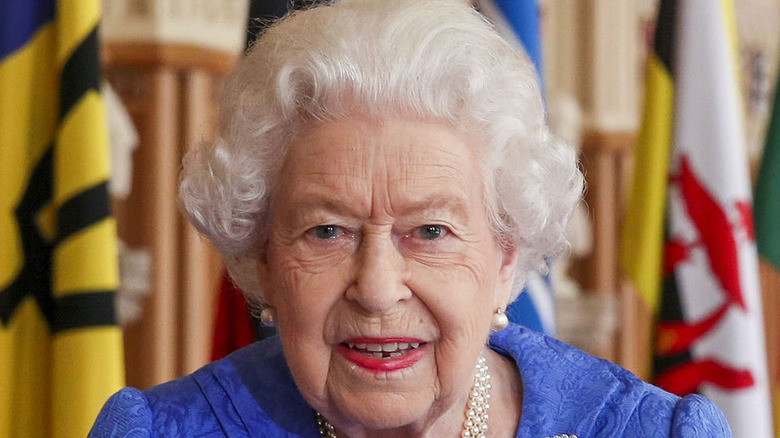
{"type": "Point", "coordinates": [268, 316]}
{"type": "Point", "coordinates": [499, 321]}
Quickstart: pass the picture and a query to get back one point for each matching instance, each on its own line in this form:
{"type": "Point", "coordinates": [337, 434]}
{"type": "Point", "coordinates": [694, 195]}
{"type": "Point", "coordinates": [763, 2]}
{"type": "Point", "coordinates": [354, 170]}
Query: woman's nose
{"type": "Point", "coordinates": [380, 280]}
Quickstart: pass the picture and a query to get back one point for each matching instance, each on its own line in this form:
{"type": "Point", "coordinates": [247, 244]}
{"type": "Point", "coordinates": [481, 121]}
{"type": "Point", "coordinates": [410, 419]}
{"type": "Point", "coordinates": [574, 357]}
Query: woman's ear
{"type": "Point", "coordinates": [506, 274]}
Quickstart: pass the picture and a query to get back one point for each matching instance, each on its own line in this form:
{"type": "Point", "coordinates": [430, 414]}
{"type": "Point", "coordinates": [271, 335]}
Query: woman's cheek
{"type": "Point", "coordinates": [314, 257]}
{"type": "Point", "coordinates": [443, 248]}
{"type": "Point", "coordinates": [459, 270]}
{"type": "Point", "coordinates": [456, 292]}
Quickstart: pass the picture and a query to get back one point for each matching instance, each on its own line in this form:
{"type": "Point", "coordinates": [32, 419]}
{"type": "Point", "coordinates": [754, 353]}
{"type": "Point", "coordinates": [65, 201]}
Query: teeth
{"type": "Point", "coordinates": [386, 350]}
{"type": "Point", "coordinates": [390, 346]}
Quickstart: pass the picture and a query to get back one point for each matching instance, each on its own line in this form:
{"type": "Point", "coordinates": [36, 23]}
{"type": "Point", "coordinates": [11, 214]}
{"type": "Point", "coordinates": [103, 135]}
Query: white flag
{"type": "Point", "coordinates": [711, 255]}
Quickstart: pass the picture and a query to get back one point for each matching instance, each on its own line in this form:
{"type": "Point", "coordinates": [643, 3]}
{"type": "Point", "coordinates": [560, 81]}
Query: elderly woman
{"type": "Point", "coordinates": [381, 185]}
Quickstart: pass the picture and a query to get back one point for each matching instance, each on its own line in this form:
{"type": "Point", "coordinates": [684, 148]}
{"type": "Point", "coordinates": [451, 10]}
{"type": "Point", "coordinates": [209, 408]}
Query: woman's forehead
{"type": "Point", "coordinates": [358, 146]}
{"type": "Point", "coordinates": [414, 164]}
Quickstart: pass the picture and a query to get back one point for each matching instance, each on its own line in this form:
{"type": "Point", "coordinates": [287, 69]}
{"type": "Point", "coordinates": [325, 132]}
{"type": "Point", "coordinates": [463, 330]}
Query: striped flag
{"type": "Point", "coordinates": [767, 220]}
{"type": "Point", "coordinates": [518, 22]}
{"type": "Point", "coordinates": [60, 350]}
{"type": "Point", "coordinates": [692, 192]}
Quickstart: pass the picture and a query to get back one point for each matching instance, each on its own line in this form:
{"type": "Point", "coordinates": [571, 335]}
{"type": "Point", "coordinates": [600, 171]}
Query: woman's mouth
{"type": "Point", "coordinates": [383, 355]}
{"type": "Point", "coordinates": [385, 350]}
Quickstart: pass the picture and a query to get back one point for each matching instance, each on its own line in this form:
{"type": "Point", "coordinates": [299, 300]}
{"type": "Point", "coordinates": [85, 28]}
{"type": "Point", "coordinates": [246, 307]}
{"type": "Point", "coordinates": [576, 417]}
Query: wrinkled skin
{"type": "Point", "coordinates": [380, 230]}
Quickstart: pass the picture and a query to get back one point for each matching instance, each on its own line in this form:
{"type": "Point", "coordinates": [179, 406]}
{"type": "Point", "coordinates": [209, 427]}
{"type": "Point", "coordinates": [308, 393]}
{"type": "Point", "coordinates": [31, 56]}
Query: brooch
{"type": "Point", "coordinates": [562, 436]}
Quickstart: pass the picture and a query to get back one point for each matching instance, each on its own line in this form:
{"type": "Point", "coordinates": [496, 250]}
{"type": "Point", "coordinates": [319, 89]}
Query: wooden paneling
{"type": "Point", "coordinates": [197, 298]}
{"type": "Point", "coordinates": [169, 92]}
{"type": "Point", "coordinates": [604, 157]}
{"type": "Point", "coordinates": [770, 287]}
{"type": "Point", "coordinates": [180, 58]}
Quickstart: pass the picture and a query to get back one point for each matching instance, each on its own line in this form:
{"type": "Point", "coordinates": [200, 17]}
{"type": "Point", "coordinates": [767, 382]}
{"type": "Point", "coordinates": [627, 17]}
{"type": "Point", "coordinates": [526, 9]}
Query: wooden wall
{"type": "Point", "coordinates": [170, 94]}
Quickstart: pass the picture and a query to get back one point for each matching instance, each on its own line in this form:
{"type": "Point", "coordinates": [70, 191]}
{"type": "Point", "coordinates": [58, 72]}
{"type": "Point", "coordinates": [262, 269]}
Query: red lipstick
{"type": "Point", "coordinates": [381, 355]}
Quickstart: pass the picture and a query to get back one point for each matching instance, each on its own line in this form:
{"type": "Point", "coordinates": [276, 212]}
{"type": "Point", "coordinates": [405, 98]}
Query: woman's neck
{"type": "Point", "coordinates": [506, 402]}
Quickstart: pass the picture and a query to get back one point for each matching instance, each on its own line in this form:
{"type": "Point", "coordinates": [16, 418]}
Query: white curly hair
{"type": "Point", "coordinates": [432, 59]}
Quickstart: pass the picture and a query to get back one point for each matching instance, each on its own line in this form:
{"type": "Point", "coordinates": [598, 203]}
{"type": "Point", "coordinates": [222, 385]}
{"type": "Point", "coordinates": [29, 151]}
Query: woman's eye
{"type": "Point", "coordinates": [326, 231]}
{"type": "Point", "coordinates": [431, 232]}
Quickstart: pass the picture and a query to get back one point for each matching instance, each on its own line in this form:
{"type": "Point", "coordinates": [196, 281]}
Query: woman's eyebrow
{"type": "Point", "coordinates": [334, 206]}
{"type": "Point", "coordinates": [447, 203]}
{"type": "Point", "coordinates": [450, 204]}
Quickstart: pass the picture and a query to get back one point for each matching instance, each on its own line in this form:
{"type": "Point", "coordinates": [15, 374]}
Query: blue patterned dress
{"type": "Point", "coordinates": [251, 393]}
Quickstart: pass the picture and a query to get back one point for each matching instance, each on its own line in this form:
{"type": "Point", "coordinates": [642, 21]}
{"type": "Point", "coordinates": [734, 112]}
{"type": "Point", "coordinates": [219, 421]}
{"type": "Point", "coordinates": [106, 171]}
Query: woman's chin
{"type": "Point", "coordinates": [381, 413]}
{"type": "Point", "coordinates": [379, 395]}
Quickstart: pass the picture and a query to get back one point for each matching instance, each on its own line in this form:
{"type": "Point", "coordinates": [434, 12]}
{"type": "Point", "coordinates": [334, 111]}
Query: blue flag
{"type": "Point", "coordinates": [518, 21]}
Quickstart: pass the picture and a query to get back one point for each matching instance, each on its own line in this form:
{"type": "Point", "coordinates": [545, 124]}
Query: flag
{"type": "Point", "coordinates": [60, 350]}
{"type": "Point", "coordinates": [643, 229]}
{"type": "Point", "coordinates": [518, 22]}
{"type": "Point", "coordinates": [768, 192]}
{"type": "Point", "coordinates": [535, 307]}
{"type": "Point", "coordinates": [703, 281]}
{"type": "Point", "coordinates": [767, 206]}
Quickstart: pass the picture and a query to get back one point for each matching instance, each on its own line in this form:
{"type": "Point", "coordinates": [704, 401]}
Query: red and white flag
{"type": "Point", "coordinates": [711, 337]}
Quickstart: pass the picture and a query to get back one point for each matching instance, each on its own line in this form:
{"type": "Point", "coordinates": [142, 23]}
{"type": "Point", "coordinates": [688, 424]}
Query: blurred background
{"type": "Point", "coordinates": [163, 64]}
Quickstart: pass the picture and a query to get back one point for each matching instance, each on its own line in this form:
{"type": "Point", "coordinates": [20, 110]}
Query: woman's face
{"type": "Point", "coordinates": [380, 241]}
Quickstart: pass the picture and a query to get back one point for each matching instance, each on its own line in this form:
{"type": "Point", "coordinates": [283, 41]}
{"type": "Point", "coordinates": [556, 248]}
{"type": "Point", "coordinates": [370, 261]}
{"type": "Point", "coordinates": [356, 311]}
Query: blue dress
{"type": "Point", "coordinates": [251, 393]}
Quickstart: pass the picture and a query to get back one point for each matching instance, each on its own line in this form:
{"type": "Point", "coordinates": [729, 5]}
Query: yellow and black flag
{"type": "Point", "coordinates": [60, 348]}
{"type": "Point", "coordinates": [643, 232]}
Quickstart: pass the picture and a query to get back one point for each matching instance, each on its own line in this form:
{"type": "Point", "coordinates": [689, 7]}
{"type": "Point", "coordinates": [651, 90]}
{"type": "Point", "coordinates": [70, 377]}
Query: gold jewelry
{"type": "Point", "coordinates": [268, 316]}
{"type": "Point", "coordinates": [475, 424]}
{"type": "Point", "coordinates": [499, 321]}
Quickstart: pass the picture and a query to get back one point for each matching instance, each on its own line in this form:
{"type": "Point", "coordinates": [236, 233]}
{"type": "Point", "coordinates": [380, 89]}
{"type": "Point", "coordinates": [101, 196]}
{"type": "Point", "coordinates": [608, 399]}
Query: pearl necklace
{"type": "Point", "coordinates": [475, 424]}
